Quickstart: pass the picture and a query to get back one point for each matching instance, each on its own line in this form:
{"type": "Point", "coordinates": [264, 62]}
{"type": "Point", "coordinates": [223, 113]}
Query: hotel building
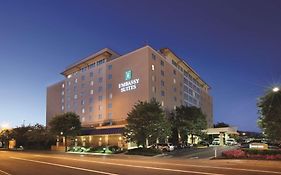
{"type": "Point", "coordinates": [103, 87]}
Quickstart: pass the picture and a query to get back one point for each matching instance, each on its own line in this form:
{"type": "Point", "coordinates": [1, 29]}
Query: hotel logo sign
{"type": "Point", "coordinates": [129, 84]}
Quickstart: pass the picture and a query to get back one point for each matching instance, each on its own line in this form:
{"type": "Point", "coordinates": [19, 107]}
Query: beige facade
{"type": "Point", "coordinates": [103, 87]}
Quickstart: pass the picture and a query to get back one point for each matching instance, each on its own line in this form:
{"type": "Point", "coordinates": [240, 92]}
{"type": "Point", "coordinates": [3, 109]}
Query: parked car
{"type": "Point", "coordinates": [216, 141]}
{"type": "Point", "coordinates": [231, 141]}
{"type": "Point", "coordinates": [164, 147]}
{"type": "Point", "coordinates": [203, 143]}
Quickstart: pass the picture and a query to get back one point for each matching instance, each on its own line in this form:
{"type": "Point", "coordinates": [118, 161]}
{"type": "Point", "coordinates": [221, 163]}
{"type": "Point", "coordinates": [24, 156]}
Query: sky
{"type": "Point", "coordinates": [233, 45]}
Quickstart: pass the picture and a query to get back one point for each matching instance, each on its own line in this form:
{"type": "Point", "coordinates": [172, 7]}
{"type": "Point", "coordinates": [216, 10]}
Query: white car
{"type": "Point", "coordinates": [165, 147]}
{"type": "Point", "coordinates": [216, 141]}
{"type": "Point", "coordinates": [231, 141]}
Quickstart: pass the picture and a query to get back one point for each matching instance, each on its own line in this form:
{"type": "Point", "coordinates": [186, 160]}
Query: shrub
{"type": "Point", "coordinates": [253, 154]}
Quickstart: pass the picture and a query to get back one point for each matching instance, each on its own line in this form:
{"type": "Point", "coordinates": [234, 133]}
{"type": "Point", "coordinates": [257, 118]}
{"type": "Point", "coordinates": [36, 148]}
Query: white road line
{"type": "Point", "coordinates": [138, 166]}
{"type": "Point", "coordinates": [64, 166]}
{"type": "Point", "coordinates": [186, 165]}
{"type": "Point", "coordinates": [4, 172]}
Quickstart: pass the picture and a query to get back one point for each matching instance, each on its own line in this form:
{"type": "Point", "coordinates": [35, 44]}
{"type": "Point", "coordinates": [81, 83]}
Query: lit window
{"type": "Point", "coordinates": [153, 78]}
{"type": "Point", "coordinates": [83, 110]}
{"type": "Point", "coordinates": [76, 80]}
{"type": "Point", "coordinates": [83, 119]}
{"type": "Point", "coordinates": [152, 67]}
{"type": "Point", "coordinates": [100, 107]}
{"type": "Point", "coordinates": [153, 89]}
{"type": "Point", "coordinates": [174, 81]}
{"type": "Point", "coordinates": [175, 107]}
{"type": "Point", "coordinates": [92, 83]}
{"type": "Point", "coordinates": [92, 92]}
{"type": "Point", "coordinates": [82, 102]}
{"type": "Point", "coordinates": [75, 96]}
{"type": "Point", "coordinates": [62, 85]}
{"type": "Point", "coordinates": [69, 76]}
{"type": "Point", "coordinates": [62, 93]}
{"type": "Point", "coordinates": [162, 103]}
{"type": "Point", "coordinates": [62, 100]}
{"type": "Point", "coordinates": [62, 108]}
{"type": "Point", "coordinates": [110, 96]}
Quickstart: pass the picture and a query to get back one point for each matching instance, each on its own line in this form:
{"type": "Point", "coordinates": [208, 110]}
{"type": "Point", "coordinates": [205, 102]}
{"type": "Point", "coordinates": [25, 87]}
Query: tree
{"type": "Point", "coordinates": [67, 124]}
{"type": "Point", "coordinates": [221, 125]}
{"type": "Point", "coordinates": [146, 120]}
{"type": "Point", "coordinates": [187, 121]}
{"type": "Point", "coordinates": [270, 115]}
{"type": "Point", "coordinates": [5, 136]}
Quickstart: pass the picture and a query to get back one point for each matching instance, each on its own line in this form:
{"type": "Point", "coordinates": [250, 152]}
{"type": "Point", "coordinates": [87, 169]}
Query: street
{"type": "Point", "coordinates": [48, 163]}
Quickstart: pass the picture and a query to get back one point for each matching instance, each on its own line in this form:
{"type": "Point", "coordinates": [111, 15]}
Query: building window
{"type": "Point", "coordinates": [62, 108]}
{"type": "Point", "coordinates": [174, 81]}
{"type": "Point", "coordinates": [109, 86]}
{"type": "Point", "coordinates": [91, 109]}
{"type": "Point", "coordinates": [162, 72]}
{"type": "Point", "coordinates": [100, 70]}
{"type": "Point", "coordinates": [76, 80]}
{"type": "Point", "coordinates": [109, 105]}
{"type": "Point", "coordinates": [100, 107]}
{"type": "Point", "coordinates": [82, 85]}
{"type": "Point", "coordinates": [175, 98]}
{"type": "Point", "coordinates": [100, 116]}
{"type": "Point", "coordinates": [162, 83]}
{"type": "Point", "coordinates": [83, 110]}
{"type": "Point", "coordinates": [110, 115]}
{"type": "Point", "coordinates": [109, 67]}
{"type": "Point", "coordinates": [153, 56]}
{"type": "Point", "coordinates": [162, 103]}
{"type": "Point", "coordinates": [110, 96]}
{"type": "Point", "coordinates": [75, 96]}
{"type": "Point", "coordinates": [69, 76]}
{"type": "Point", "coordinates": [62, 86]}
{"type": "Point", "coordinates": [162, 93]}
{"type": "Point", "coordinates": [153, 89]}
{"type": "Point", "coordinates": [175, 89]}
{"type": "Point", "coordinates": [100, 79]}
{"type": "Point", "coordinates": [83, 69]}
{"type": "Point", "coordinates": [91, 74]}
{"type": "Point", "coordinates": [91, 100]}
{"type": "Point", "coordinates": [83, 77]}
{"type": "Point", "coordinates": [100, 89]}
{"type": "Point", "coordinates": [153, 78]}
{"type": "Point", "coordinates": [92, 92]}
{"type": "Point", "coordinates": [162, 62]}
{"type": "Point", "coordinates": [152, 67]}
{"type": "Point", "coordinates": [100, 98]}
{"type": "Point", "coordinates": [175, 72]}
{"type": "Point", "coordinates": [109, 76]}
{"type": "Point", "coordinates": [68, 83]}
{"type": "Point", "coordinates": [62, 92]}
{"type": "Point", "coordinates": [82, 102]}
{"type": "Point", "coordinates": [91, 66]}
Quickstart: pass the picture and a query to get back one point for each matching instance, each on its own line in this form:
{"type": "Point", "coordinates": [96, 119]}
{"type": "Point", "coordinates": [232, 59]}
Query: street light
{"type": "Point", "coordinates": [275, 89]}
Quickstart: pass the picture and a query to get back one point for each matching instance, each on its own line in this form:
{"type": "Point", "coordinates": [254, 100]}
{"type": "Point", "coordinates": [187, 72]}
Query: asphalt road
{"type": "Point", "coordinates": [47, 163]}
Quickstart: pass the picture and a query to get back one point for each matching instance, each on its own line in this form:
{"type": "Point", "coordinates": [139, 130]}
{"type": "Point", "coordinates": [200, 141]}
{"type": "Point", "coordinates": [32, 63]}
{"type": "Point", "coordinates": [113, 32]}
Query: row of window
{"type": "Point", "coordinates": [91, 66]}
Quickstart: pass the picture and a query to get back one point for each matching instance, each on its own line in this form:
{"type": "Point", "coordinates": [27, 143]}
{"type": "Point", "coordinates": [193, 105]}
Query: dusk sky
{"type": "Point", "coordinates": [235, 46]}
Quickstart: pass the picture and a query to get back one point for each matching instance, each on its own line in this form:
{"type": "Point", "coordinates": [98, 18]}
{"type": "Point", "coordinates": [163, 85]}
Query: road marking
{"type": "Point", "coordinates": [4, 172]}
{"type": "Point", "coordinates": [64, 166]}
{"type": "Point", "coordinates": [160, 163]}
{"type": "Point", "coordinates": [138, 166]}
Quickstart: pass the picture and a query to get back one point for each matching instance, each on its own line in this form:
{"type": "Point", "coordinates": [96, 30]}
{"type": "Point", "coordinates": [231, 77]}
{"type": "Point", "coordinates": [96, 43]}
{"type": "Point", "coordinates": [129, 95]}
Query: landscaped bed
{"type": "Point", "coordinates": [252, 154]}
{"type": "Point", "coordinates": [100, 149]}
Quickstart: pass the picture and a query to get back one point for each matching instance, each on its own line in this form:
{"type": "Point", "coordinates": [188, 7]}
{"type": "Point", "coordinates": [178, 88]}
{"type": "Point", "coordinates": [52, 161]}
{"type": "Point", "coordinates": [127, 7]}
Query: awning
{"type": "Point", "coordinates": [105, 131]}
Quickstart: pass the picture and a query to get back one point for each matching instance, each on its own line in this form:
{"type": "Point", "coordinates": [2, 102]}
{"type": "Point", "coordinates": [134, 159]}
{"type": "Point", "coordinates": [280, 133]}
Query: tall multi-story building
{"type": "Point", "coordinates": [103, 87]}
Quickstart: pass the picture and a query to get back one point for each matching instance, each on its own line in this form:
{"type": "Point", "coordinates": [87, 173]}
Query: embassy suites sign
{"type": "Point", "coordinates": [129, 84]}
